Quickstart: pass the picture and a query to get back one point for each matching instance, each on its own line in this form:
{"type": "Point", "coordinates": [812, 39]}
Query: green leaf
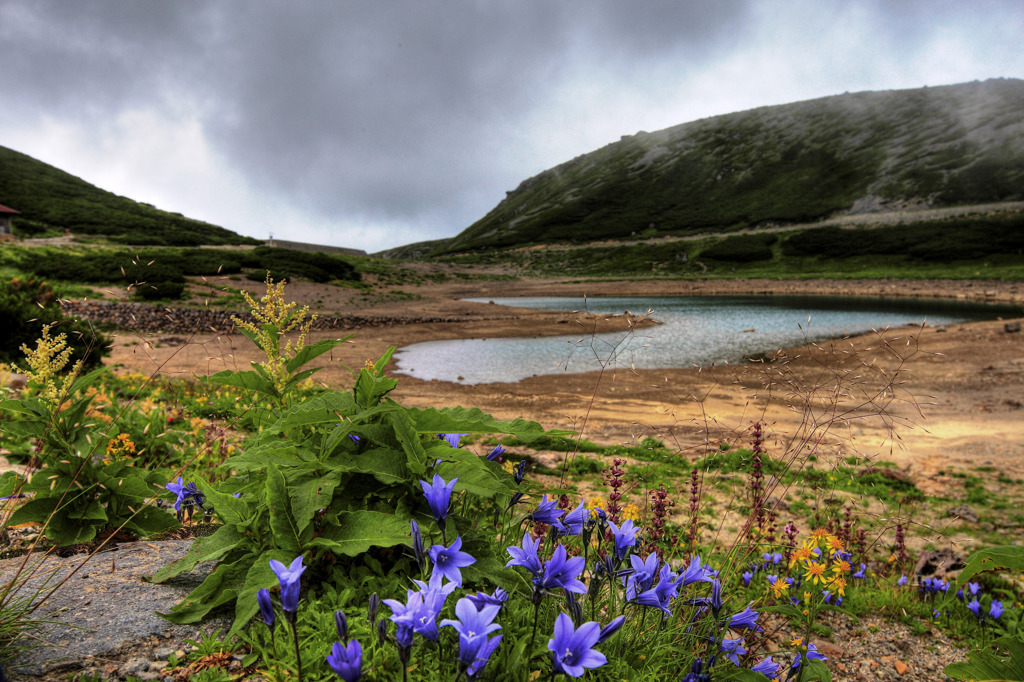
{"type": "Point", "coordinates": [280, 453]}
{"type": "Point", "coordinates": [232, 510]}
{"type": "Point", "coordinates": [358, 531]}
{"type": "Point", "coordinates": [991, 663]}
{"type": "Point", "coordinates": [310, 496]}
{"type": "Point", "coordinates": [150, 520]}
{"type": "Point", "coordinates": [207, 548]}
{"type": "Point", "coordinates": [315, 350]}
{"type": "Point", "coordinates": [732, 672]}
{"type": "Point", "coordinates": [384, 464]}
{"type": "Point", "coordinates": [415, 456]}
{"type": "Point", "coordinates": [282, 522]}
{"type": "Point", "coordinates": [250, 381]}
{"type": "Point", "coordinates": [1001, 558]}
{"type": "Point", "coordinates": [324, 408]}
{"type": "Point", "coordinates": [477, 475]}
{"type": "Point", "coordinates": [258, 576]}
{"type": "Point", "coordinates": [816, 670]}
{"type": "Point", "coordinates": [34, 511]}
{"type": "Point", "coordinates": [475, 420]}
{"type": "Point", "coordinates": [220, 587]}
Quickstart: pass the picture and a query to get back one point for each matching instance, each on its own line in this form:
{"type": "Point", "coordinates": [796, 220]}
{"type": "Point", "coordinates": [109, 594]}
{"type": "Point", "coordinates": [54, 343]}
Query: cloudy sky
{"type": "Point", "coordinates": [376, 123]}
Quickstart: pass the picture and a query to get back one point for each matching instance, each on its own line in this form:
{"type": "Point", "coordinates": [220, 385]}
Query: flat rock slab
{"type": "Point", "coordinates": [105, 606]}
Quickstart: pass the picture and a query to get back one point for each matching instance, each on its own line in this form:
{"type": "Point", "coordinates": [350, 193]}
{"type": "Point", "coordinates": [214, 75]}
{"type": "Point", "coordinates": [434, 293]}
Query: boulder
{"type": "Point", "coordinates": [938, 562]}
{"type": "Point", "coordinates": [965, 512]}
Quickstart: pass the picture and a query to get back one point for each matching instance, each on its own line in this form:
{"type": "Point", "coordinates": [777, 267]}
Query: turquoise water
{"type": "Point", "coordinates": [695, 331]}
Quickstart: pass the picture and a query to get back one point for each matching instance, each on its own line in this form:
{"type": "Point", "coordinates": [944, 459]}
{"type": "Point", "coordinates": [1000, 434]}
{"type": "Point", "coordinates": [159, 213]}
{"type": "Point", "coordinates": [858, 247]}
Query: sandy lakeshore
{"type": "Point", "coordinates": [932, 400]}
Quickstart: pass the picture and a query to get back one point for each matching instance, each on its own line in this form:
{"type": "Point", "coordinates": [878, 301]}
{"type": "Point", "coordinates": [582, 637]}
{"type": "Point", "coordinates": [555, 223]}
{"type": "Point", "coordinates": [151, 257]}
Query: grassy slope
{"type": "Point", "coordinates": [49, 198]}
{"type": "Point", "coordinates": [792, 163]}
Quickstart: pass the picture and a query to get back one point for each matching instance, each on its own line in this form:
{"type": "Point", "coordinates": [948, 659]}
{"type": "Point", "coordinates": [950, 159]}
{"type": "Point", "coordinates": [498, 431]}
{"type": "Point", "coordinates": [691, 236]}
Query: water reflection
{"type": "Point", "coordinates": [695, 331]}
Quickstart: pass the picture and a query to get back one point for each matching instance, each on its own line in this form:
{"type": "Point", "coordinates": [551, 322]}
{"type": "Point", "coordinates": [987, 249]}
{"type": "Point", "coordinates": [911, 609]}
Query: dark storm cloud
{"type": "Point", "coordinates": [382, 108]}
{"type": "Point", "coordinates": [421, 112]}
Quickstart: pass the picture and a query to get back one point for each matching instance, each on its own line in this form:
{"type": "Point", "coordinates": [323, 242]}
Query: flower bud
{"type": "Point", "coordinates": [341, 625]}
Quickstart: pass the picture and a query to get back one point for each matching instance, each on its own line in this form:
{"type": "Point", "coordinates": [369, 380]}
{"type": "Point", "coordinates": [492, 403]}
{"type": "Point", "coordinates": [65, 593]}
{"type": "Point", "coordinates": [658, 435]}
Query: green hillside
{"type": "Point", "coordinates": [51, 200]}
{"type": "Point", "coordinates": [794, 163]}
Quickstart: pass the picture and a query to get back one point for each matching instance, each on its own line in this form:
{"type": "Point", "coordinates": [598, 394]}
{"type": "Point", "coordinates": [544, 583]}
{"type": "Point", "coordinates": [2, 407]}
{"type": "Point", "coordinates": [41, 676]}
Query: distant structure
{"type": "Point", "coordinates": [5, 219]}
{"type": "Point", "coordinates": [313, 248]}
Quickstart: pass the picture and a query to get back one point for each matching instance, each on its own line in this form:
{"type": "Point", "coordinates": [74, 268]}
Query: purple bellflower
{"type": "Point", "coordinates": [767, 667]}
{"type": "Point", "coordinates": [812, 654]}
{"type": "Point", "coordinates": [561, 572]}
{"type": "Point", "coordinates": [995, 610]}
{"type": "Point", "coordinates": [547, 512]}
{"type": "Point", "coordinates": [572, 522]}
{"type": "Point", "coordinates": [289, 576]}
{"type": "Point", "coordinates": [733, 649]}
{"type": "Point", "coordinates": [266, 607]}
{"type": "Point", "coordinates": [482, 599]}
{"type": "Point", "coordinates": [439, 496]}
{"type": "Point", "coordinates": [625, 537]}
{"type": "Point", "coordinates": [608, 630]}
{"type": "Point", "coordinates": [448, 560]}
{"type": "Point", "coordinates": [452, 438]}
{"type": "Point", "coordinates": [473, 626]}
{"type": "Point", "coordinates": [526, 556]}
{"type": "Point", "coordinates": [346, 661]}
{"type": "Point", "coordinates": [975, 607]}
{"type": "Point", "coordinates": [644, 572]}
{"type": "Point", "coordinates": [695, 572]}
{"type": "Point", "coordinates": [745, 619]}
{"type": "Point", "coordinates": [572, 650]}
{"type": "Point", "coordinates": [494, 454]}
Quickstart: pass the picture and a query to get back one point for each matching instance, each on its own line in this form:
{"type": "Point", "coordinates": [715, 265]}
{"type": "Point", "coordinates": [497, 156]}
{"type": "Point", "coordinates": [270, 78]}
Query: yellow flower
{"type": "Point", "coordinates": [780, 586]}
{"type": "Point", "coordinates": [834, 544]}
{"type": "Point", "coordinates": [819, 534]}
{"type": "Point", "coordinates": [814, 572]}
{"type": "Point", "coordinates": [839, 584]}
{"type": "Point", "coordinates": [841, 566]}
{"type": "Point", "coordinates": [799, 641]}
{"type": "Point", "coordinates": [631, 511]}
{"type": "Point", "coordinates": [801, 554]}
{"type": "Point", "coordinates": [593, 504]}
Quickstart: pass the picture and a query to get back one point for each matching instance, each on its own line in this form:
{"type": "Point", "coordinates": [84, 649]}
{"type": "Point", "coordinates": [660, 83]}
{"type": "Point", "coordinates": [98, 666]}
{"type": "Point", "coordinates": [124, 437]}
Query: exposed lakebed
{"type": "Point", "coordinates": [693, 331]}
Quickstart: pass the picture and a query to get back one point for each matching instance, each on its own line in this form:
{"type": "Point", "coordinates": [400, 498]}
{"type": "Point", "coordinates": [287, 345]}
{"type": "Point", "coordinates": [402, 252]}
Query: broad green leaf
{"type": "Point", "coordinates": [310, 496]}
{"type": "Point", "coordinates": [282, 523]}
{"type": "Point", "coordinates": [312, 351]}
{"type": "Point", "coordinates": [208, 548]}
{"type": "Point", "coordinates": [816, 670]}
{"type": "Point", "coordinates": [251, 381]}
{"type": "Point", "coordinates": [258, 576]}
{"type": "Point", "coordinates": [277, 452]}
{"type": "Point", "coordinates": [324, 408]}
{"type": "Point", "coordinates": [232, 510]}
{"type": "Point", "coordinates": [358, 531]}
{"type": "Point", "coordinates": [415, 457]}
{"type": "Point", "coordinates": [220, 587]}
{"type": "Point", "coordinates": [475, 420]}
{"type": "Point", "coordinates": [385, 465]}
{"type": "Point", "coordinates": [477, 475]}
{"type": "Point", "coordinates": [33, 511]}
{"type": "Point", "coordinates": [1001, 558]}
{"type": "Point", "coordinates": [991, 663]}
{"type": "Point", "coordinates": [149, 520]}
{"type": "Point", "coordinates": [726, 671]}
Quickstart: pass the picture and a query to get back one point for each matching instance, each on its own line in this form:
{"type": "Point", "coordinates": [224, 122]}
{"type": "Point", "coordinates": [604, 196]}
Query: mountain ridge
{"type": "Point", "coordinates": [790, 163]}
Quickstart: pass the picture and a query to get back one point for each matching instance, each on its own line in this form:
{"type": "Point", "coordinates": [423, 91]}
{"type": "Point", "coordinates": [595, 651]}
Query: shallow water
{"type": "Point", "coordinates": [695, 331]}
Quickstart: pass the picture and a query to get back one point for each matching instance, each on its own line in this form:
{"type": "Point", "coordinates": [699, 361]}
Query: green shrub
{"type": "Point", "coordinates": [744, 248]}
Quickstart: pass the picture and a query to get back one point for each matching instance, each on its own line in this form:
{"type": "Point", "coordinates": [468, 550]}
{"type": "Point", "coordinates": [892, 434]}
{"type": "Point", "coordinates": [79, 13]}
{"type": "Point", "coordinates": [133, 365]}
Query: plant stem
{"type": "Point", "coordinates": [298, 652]}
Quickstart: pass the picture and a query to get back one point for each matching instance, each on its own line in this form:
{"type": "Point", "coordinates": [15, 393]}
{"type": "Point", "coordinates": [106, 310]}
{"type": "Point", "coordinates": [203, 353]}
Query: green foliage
{"type": "Point", "coordinates": [26, 306]}
{"type": "Point", "coordinates": [79, 491]}
{"type": "Point", "coordinates": [306, 487]}
{"type": "Point", "coordinates": [49, 198]}
{"type": "Point", "coordinates": [742, 248]}
{"type": "Point", "coordinates": [941, 240]}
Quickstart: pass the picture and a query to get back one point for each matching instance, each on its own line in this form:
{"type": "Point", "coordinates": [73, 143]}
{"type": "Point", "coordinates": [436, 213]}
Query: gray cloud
{"type": "Point", "coordinates": [415, 116]}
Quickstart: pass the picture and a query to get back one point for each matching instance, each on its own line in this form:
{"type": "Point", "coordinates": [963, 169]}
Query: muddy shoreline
{"type": "Point", "coordinates": [955, 392]}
